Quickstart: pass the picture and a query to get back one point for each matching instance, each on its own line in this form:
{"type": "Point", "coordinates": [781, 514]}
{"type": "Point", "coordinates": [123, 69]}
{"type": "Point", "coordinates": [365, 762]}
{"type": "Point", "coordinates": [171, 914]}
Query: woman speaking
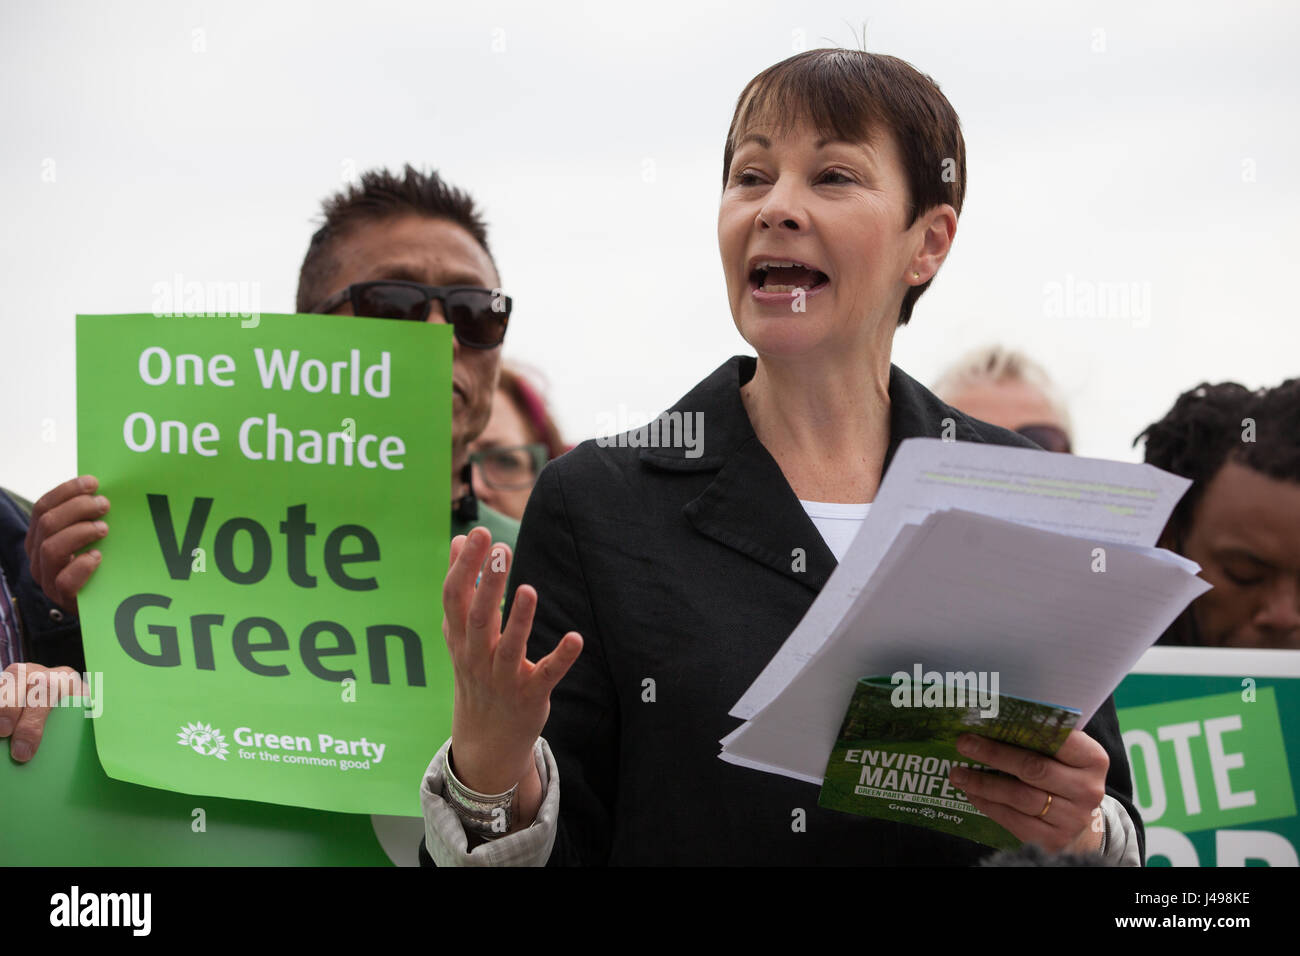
{"type": "Point", "coordinates": [652, 584]}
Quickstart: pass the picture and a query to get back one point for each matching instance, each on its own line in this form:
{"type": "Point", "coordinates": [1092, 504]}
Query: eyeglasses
{"type": "Point", "coordinates": [1047, 437]}
{"type": "Point", "coordinates": [510, 468]}
{"type": "Point", "coordinates": [478, 317]}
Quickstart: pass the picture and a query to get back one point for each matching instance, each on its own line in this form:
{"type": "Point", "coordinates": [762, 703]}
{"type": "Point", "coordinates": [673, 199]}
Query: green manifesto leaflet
{"type": "Point", "coordinates": [265, 622]}
{"type": "Point", "coordinates": [898, 742]}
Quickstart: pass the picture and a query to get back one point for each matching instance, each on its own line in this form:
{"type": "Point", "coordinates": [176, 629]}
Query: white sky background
{"type": "Point", "coordinates": [1128, 165]}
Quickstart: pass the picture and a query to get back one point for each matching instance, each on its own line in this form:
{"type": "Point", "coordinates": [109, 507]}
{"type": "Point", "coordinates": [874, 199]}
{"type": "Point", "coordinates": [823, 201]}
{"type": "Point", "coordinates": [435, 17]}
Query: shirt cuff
{"type": "Point", "coordinates": [445, 837]}
{"type": "Point", "coordinates": [1121, 838]}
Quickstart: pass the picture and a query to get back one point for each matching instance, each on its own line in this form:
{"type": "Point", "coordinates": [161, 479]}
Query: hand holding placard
{"type": "Point", "coordinates": [64, 520]}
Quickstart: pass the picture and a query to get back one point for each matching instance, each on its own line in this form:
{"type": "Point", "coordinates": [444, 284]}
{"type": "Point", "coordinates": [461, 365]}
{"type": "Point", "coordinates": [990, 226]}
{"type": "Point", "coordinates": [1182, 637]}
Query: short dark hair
{"type": "Point", "coordinates": [379, 194]}
{"type": "Point", "coordinates": [848, 94]}
{"type": "Point", "coordinates": [1206, 428]}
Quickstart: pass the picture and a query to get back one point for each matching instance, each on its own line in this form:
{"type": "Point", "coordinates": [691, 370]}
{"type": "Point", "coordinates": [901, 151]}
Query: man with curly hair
{"type": "Point", "coordinates": [1240, 520]}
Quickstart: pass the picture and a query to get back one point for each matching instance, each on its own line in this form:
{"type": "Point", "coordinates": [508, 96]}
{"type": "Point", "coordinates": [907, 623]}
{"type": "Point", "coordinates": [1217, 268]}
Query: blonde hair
{"type": "Point", "coordinates": [992, 364]}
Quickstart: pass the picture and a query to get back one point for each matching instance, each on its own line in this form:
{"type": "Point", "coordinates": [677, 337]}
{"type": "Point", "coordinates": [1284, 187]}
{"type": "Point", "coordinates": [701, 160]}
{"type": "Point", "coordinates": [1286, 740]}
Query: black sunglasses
{"type": "Point", "coordinates": [1047, 437]}
{"type": "Point", "coordinates": [478, 317]}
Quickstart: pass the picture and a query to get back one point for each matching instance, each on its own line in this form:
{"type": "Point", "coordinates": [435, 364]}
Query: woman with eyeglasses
{"type": "Point", "coordinates": [651, 585]}
{"type": "Point", "coordinates": [520, 438]}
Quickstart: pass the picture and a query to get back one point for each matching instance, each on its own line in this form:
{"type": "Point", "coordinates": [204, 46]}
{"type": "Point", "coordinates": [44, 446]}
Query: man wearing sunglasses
{"type": "Point", "coordinates": [1007, 388]}
{"type": "Point", "coordinates": [415, 249]}
{"type": "Point", "coordinates": [406, 247]}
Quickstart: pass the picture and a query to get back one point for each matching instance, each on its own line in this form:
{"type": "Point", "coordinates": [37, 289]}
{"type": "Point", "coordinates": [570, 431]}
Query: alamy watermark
{"type": "Point", "coordinates": [1076, 298]}
{"type": "Point", "coordinates": [946, 689]}
{"type": "Point", "coordinates": [78, 908]}
{"type": "Point", "coordinates": [52, 688]}
{"type": "Point", "coordinates": [667, 430]}
{"type": "Point", "coordinates": [192, 298]}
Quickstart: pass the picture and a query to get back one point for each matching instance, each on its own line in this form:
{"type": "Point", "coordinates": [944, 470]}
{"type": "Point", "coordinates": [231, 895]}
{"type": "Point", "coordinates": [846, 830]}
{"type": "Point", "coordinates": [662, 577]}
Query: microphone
{"type": "Point", "coordinates": [466, 507]}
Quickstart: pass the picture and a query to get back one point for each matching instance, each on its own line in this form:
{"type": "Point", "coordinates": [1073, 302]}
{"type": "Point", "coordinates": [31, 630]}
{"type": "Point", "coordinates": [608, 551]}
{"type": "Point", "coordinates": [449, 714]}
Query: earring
{"type": "Point", "coordinates": [916, 275]}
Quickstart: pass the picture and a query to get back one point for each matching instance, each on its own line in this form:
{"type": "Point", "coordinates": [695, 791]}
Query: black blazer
{"type": "Point", "coordinates": [677, 573]}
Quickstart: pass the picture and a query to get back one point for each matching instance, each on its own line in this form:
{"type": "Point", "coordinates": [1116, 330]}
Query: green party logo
{"type": "Point", "coordinates": [203, 739]}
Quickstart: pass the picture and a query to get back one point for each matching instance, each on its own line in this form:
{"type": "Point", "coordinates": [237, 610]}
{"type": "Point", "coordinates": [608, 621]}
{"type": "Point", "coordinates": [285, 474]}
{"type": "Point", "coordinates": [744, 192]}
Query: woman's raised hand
{"type": "Point", "coordinates": [502, 699]}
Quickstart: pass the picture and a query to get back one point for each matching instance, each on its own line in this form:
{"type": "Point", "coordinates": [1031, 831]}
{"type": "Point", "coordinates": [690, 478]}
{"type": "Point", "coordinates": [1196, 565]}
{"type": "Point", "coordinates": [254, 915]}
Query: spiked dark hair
{"type": "Point", "coordinates": [381, 193]}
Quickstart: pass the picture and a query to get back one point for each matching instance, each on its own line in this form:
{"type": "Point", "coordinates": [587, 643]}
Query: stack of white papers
{"type": "Point", "coordinates": [973, 557]}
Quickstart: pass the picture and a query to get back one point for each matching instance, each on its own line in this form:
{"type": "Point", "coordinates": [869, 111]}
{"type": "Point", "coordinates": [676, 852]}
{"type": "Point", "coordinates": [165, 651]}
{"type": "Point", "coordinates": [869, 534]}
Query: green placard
{"type": "Point", "coordinates": [1213, 739]}
{"type": "Point", "coordinates": [265, 624]}
{"type": "Point", "coordinates": [63, 810]}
